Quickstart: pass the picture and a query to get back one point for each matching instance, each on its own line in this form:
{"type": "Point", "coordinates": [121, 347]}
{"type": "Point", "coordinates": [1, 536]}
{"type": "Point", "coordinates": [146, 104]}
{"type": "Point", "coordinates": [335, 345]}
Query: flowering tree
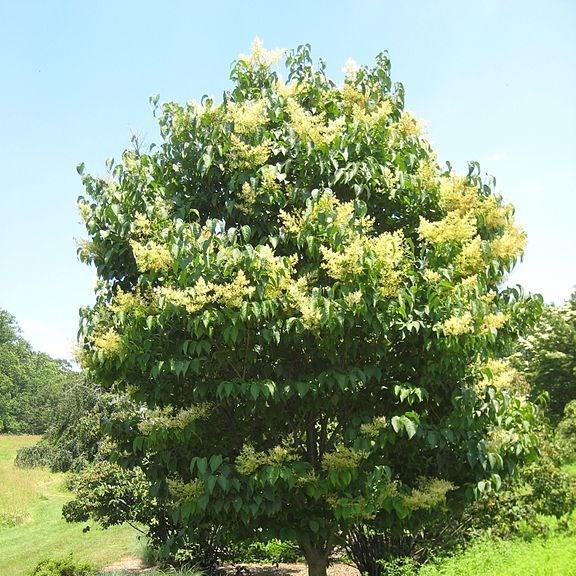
{"type": "Point", "coordinates": [305, 302]}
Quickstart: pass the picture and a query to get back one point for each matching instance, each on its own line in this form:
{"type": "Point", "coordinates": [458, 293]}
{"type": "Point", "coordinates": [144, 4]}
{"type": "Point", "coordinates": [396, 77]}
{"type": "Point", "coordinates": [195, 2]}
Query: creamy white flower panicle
{"type": "Point", "coordinates": [259, 56]}
{"type": "Point", "coordinates": [350, 68]}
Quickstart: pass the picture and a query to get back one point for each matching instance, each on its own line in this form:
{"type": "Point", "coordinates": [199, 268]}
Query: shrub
{"type": "Point", "coordinates": [268, 551]}
{"type": "Point", "coordinates": [11, 518]}
{"type": "Point", "coordinates": [37, 455]}
{"type": "Point", "coordinates": [399, 567]}
{"type": "Point", "coordinates": [110, 495]}
{"type": "Point", "coordinates": [67, 566]}
{"type": "Point", "coordinates": [376, 552]}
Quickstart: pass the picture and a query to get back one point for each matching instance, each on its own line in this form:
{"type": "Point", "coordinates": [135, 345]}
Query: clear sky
{"type": "Point", "coordinates": [494, 79]}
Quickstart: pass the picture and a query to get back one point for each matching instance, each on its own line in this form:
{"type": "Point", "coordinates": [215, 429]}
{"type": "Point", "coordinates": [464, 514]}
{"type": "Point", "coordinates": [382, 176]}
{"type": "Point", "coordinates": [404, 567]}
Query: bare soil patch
{"type": "Point", "coordinates": [134, 565]}
{"type": "Point", "coordinates": [298, 569]}
{"type": "Point", "coordinates": [130, 565]}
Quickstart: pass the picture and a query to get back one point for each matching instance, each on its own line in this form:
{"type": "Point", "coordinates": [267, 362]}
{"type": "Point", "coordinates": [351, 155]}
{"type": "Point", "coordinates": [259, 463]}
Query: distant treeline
{"type": "Point", "coordinates": [30, 382]}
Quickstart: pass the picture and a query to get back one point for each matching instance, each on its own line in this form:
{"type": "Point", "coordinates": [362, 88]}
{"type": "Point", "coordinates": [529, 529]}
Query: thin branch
{"type": "Point", "coordinates": [246, 355]}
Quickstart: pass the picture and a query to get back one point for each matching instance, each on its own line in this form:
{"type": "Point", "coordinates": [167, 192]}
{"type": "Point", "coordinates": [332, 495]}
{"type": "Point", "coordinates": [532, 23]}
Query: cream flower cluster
{"type": "Point", "coordinates": [259, 56]}
{"type": "Point", "coordinates": [109, 342]}
{"type": "Point", "coordinates": [471, 258]}
{"type": "Point", "coordinates": [510, 244]}
{"type": "Point", "coordinates": [458, 324]}
{"type": "Point", "coordinates": [141, 225]}
{"type": "Point", "coordinates": [299, 296]}
{"type": "Point", "coordinates": [466, 212]}
{"type": "Point", "coordinates": [244, 156]}
{"type": "Point", "coordinates": [249, 193]}
{"type": "Point", "coordinates": [151, 256]}
{"type": "Point", "coordinates": [247, 116]}
{"type": "Point", "coordinates": [134, 303]}
{"type": "Point", "coordinates": [384, 253]}
{"type": "Point", "coordinates": [357, 105]}
{"type": "Point", "coordinates": [494, 321]}
{"type": "Point", "coordinates": [249, 460]}
{"type": "Point", "coordinates": [408, 125]}
{"type": "Point", "coordinates": [454, 227]}
{"type": "Point", "coordinates": [194, 298]}
{"type": "Point", "coordinates": [456, 195]}
{"type": "Point", "coordinates": [333, 211]}
{"type": "Point", "coordinates": [313, 127]}
{"type": "Point", "coordinates": [500, 438]}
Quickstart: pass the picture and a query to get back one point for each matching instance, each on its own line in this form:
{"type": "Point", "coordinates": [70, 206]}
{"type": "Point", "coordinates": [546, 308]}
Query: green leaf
{"type": "Point", "coordinates": [223, 482]}
{"type": "Point", "coordinates": [210, 483]}
{"type": "Point", "coordinates": [273, 474]}
{"type": "Point", "coordinates": [302, 388]}
{"type": "Point", "coordinates": [202, 465]}
{"type": "Point", "coordinates": [215, 461]}
{"type": "Point", "coordinates": [410, 427]}
{"type": "Point", "coordinates": [246, 232]}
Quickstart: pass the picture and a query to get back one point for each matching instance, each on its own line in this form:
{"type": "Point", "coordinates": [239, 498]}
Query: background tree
{"type": "Point", "coordinates": [30, 382]}
{"type": "Point", "coordinates": [306, 302]}
{"type": "Point", "coordinates": [74, 436]}
{"type": "Point", "coordinates": [547, 356]}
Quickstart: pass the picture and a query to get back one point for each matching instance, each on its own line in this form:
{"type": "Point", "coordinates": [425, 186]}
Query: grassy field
{"type": "Point", "coordinates": [554, 556]}
{"type": "Point", "coordinates": [31, 523]}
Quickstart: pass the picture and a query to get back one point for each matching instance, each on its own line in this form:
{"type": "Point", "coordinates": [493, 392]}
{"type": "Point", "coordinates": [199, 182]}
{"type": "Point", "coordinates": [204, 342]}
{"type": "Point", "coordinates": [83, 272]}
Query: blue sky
{"type": "Point", "coordinates": [495, 81]}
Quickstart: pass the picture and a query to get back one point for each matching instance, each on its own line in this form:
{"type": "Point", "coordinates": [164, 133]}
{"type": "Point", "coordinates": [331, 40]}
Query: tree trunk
{"type": "Point", "coordinates": [317, 563]}
{"type": "Point", "coordinates": [316, 558]}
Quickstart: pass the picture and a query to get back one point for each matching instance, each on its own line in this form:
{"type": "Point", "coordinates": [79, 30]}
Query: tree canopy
{"type": "Point", "coordinates": [309, 305]}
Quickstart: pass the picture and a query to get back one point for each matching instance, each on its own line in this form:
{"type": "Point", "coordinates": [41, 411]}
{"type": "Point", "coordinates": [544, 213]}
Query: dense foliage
{"type": "Point", "coordinates": [309, 306]}
{"type": "Point", "coordinates": [30, 382]}
{"type": "Point", "coordinates": [566, 433]}
{"type": "Point", "coordinates": [67, 566]}
{"type": "Point", "coordinates": [548, 356]}
{"type": "Point", "coordinates": [74, 436]}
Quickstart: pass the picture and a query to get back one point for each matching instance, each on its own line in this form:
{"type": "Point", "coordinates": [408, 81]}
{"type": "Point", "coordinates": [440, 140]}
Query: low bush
{"type": "Point", "coordinates": [399, 567]}
{"type": "Point", "coordinates": [110, 495]}
{"type": "Point", "coordinates": [11, 518]}
{"type": "Point", "coordinates": [67, 566]}
{"type": "Point", "coordinates": [34, 456]}
{"type": "Point", "coordinates": [267, 551]}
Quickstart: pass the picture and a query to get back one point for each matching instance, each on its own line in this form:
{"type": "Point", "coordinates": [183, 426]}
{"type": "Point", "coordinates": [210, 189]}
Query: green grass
{"type": "Point", "coordinates": [570, 469]}
{"type": "Point", "coordinates": [554, 556]}
{"type": "Point", "coordinates": [31, 523]}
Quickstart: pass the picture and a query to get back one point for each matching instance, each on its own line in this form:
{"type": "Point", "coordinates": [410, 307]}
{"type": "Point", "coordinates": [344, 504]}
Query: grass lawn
{"type": "Point", "coordinates": [31, 523]}
{"type": "Point", "coordinates": [555, 556]}
{"type": "Point", "coordinates": [570, 469]}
